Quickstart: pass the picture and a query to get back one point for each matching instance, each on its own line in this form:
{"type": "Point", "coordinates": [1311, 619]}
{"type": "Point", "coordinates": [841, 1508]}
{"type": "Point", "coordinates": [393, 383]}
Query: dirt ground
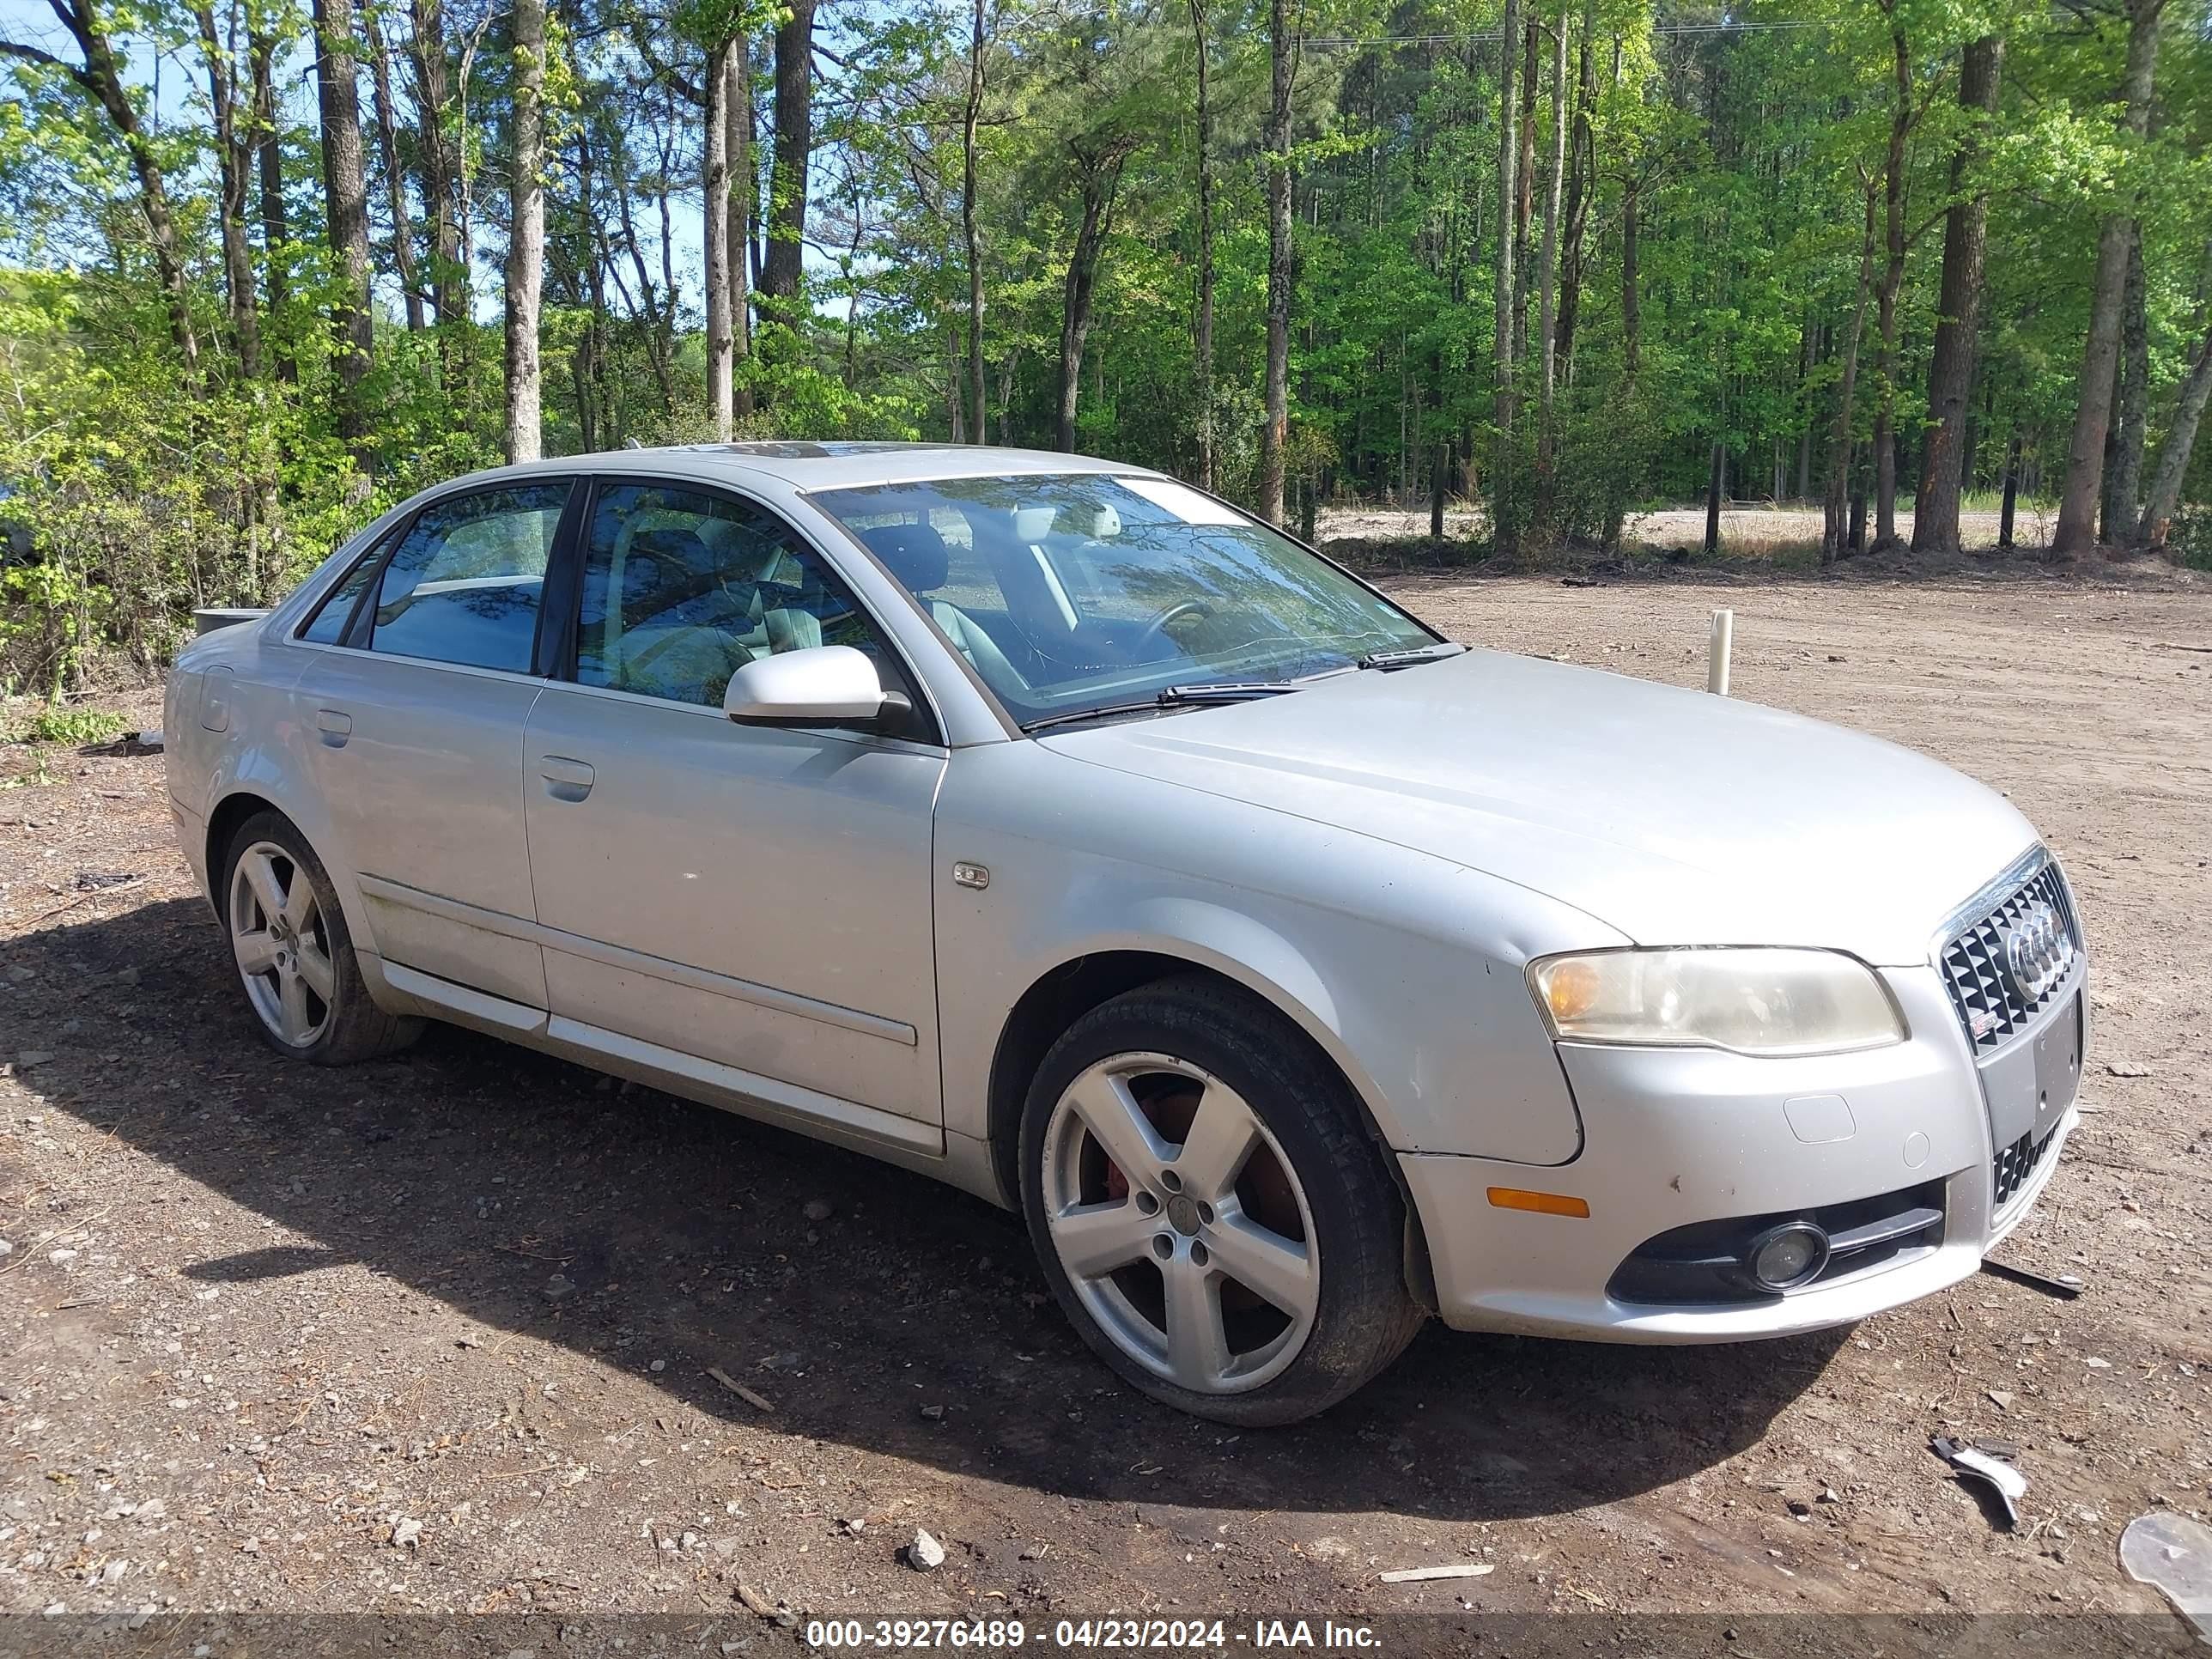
{"type": "Point", "coordinates": [442, 1332]}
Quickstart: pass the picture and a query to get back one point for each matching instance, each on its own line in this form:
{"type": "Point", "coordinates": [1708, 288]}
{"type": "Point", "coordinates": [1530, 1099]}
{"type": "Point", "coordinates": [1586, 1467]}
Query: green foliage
{"type": "Point", "coordinates": [136, 488]}
{"type": "Point", "coordinates": [2191, 539]}
{"type": "Point", "coordinates": [60, 722]}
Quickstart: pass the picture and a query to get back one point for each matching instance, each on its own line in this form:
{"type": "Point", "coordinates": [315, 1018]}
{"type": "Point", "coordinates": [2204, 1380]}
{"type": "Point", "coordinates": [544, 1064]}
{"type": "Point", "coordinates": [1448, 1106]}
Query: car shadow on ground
{"type": "Point", "coordinates": [476, 1173]}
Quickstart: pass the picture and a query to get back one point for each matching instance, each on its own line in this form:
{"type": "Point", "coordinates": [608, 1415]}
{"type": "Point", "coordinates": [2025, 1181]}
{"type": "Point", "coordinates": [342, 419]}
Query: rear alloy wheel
{"type": "Point", "coordinates": [295, 957]}
{"type": "Point", "coordinates": [281, 944]}
{"type": "Point", "coordinates": [1210, 1209]}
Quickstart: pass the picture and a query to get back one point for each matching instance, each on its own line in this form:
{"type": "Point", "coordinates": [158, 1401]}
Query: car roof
{"type": "Point", "coordinates": [835, 464]}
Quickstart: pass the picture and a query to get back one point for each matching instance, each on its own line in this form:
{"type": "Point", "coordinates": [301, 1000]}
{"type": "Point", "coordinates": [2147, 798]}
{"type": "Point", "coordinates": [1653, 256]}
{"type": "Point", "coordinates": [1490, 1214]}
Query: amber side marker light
{"type": "Point", "coordinates": [1513, 1198]}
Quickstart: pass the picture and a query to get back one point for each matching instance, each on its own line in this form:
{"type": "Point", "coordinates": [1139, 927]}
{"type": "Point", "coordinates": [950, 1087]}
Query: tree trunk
{"type": "Point", "coordinates": [2122, 496]}
{"type": "Point", "coordinates": [714, 166]}
{"type": "Point", "coordinates": [1809, 345]}
{"type": "Point", "coordinates": [1716, 484]}
{"type": "Point", "coordinates": [2163, 499]}
{"type": "Point", "coordinates": [1202, 347]}
{"type": "Point", "coordinates": [1274, 433]}
{"type": "Point", "coordinates": [1833, 502]}
{"type": "Point", "coordinates": [1503, 533]}
{"type": "Point", "coordinates": [345, 196]}
{"type": "Point", "coordinates": [979, 417]}
{"type": "Point", "coordinates": [1524, 175]}
{"type": "Point", "coordinates": [1951, 367]}
{"type": "Point", "coordinates": [1582, 159]}
{"type": "Point", "coordinates": [658, 326]}
{"type": "Point", "coordinates": [738, 140]}
{"type": "Point", "coordinates": [102, 78]}
{"type": "Point", "coordinates": [233, 147]}
{"type": "Point", "coordinates": [2011, 494]}
{"type": "Point", "coordinates": [1893, 280]}
{"type": "Point", "coordinates": [1101, 176]}
{"type": "Point", "coordinates": [1632, 297]}
{"type": "Point", "coordinates": [794, 146]}
{"type": "Point", "coordinates": [268, 160]}
{"type": "Point", "coordinates": [955, 419]}
{"type": "Point", "coordinates": [603, 432]}
{"type": "Point", "coordinates": [395, 185]}
{"type": "Point", "coordinates": [1007, 368]}
{"type": "Point", "coordinates": [437, 170]}
{"type": "Point", "coordinates": [526, 248]}
{"type": "Point", "coordinates": [1547, 281]}
{"type": "Point", "coordinates": [2093, 410]}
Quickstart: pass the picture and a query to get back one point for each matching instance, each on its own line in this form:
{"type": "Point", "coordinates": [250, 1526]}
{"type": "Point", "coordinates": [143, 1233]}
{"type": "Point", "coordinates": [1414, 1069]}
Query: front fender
{"type": "Point", "coordinates": [1407, 969]}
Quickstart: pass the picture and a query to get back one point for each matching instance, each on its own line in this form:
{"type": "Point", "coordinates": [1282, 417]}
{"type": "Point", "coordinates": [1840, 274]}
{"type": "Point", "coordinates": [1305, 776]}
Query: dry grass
{"type": "Point", "coordinates": [1747, 530]}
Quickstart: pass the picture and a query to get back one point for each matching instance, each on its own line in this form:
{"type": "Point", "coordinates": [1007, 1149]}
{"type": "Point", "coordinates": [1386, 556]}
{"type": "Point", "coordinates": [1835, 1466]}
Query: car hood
{"type": "Point", "coordinates": [1676, 817]}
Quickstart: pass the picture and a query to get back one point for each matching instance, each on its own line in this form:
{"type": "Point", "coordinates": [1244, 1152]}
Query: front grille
{"type": "Point", "coordinates": [1989, 1005]}
{"type": "Point", "coordinates": [2017, 1162]}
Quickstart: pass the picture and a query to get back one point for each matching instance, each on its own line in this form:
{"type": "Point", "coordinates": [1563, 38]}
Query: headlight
{"type": "Point", "coordinates": [1751, 1001]}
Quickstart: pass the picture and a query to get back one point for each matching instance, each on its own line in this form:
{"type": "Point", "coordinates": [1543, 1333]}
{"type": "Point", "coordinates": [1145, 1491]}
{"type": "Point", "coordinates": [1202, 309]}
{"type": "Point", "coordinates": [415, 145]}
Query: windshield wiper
{"type": "Point", "coordinates": [1226, 690]}
{"type": "Point", "coordinates": [1175, 696]}
{"type": "Point", "coordinates": [1386, 661]}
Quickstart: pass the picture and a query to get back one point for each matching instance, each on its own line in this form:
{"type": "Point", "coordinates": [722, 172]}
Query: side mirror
{"type": "Point", "coordinates": [821, 685]}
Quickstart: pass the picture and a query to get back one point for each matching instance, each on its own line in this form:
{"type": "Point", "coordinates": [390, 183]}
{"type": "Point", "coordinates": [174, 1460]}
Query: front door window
{"type": "Point", "coordinates": [681, 588]}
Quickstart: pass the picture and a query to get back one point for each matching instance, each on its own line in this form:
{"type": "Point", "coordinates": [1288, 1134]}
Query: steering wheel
{"type": "Point", "coordinates": [1158, 627]}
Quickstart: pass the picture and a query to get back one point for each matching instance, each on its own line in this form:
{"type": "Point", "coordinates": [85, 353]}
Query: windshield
{"type": "Point", "coordinates": [1070, 593]}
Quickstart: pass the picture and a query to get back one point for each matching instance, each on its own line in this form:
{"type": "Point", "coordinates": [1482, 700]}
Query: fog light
{"type": "Point", "coordinates": [1784, 1257]}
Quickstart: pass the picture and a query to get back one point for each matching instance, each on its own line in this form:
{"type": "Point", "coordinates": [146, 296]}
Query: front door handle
{"type": "Point", "coordinates": [336, 725]}
{"type": "Point", "coordinates": [565, 779]}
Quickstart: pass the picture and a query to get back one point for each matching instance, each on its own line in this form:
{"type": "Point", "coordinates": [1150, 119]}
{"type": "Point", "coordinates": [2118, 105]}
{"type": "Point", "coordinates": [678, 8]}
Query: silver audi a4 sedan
{"type": "Point", "coordinates": [1050, 827]}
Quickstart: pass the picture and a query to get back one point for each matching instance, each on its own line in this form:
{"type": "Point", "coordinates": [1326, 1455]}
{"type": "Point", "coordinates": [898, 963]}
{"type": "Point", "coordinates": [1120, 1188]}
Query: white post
{"type": "Point", "coordinates": [1723, 636]}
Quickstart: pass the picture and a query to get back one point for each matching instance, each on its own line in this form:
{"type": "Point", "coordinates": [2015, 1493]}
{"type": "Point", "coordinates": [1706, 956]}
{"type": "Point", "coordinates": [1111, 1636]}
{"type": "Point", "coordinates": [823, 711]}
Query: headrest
{"type": "Point", "coordinates": [914, 553]}
{"type": "Point", "coordinates": [1094, 521]}
{"type": "Point", "coordinates": [1033, 523]}
{"type": "Point", "coordinates": [662, 556]}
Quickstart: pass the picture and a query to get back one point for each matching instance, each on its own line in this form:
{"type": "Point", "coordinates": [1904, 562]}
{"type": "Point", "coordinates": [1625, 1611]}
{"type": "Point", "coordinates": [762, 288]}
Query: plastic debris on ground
{"type": "Point", "coordinates": [2172, 1553]}
{"type": "Point", "coordinates": [2009, 1485]}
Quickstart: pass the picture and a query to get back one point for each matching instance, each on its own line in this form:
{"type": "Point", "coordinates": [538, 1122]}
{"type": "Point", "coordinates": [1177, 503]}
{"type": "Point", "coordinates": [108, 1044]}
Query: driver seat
{"type": "Point", "coordinates": [916, 555]}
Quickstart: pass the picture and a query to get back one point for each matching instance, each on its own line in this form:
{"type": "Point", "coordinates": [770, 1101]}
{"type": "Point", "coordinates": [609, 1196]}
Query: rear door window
{"type": "Point", "coordinates": [467, 583]}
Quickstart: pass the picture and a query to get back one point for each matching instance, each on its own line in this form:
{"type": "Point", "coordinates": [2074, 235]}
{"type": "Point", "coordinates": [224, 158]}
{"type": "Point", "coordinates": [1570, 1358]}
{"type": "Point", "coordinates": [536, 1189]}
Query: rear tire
{"type": "Point", "coordinates": [1210, 1209]}
{"type": "Point", "coordinates": [295, 957]}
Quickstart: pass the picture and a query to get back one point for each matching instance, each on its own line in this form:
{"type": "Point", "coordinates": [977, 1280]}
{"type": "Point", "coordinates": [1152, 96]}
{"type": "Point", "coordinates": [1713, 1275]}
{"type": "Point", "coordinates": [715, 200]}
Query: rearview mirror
{"type": "Point", "coordinates": [821, 685]}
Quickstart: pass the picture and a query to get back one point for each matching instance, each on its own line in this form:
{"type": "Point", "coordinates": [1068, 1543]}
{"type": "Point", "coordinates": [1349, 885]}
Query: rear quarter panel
{"type": "Point", "coordinates": [249, 672]}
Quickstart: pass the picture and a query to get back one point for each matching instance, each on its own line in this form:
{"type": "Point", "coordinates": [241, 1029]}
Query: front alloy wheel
{"type": "Point", "coordinates": [1211, 1206]}
{"type": "Point", "coordinates": [1181, 1228]}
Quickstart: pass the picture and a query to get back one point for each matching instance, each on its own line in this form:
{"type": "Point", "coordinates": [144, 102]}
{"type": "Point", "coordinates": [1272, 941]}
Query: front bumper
{"type": "Point", "coordinates": [1675, 1136]}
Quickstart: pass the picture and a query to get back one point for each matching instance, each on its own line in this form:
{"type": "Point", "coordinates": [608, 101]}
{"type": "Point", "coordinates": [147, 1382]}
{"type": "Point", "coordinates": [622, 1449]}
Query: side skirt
{"type": "Point", "coordinates": [926, 1148]}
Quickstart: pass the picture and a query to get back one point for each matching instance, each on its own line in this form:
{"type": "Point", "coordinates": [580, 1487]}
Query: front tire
{"type": "Point", "coordinates": [294, 957]}
{"type": "Point", "coordinates": [1209, 1208]}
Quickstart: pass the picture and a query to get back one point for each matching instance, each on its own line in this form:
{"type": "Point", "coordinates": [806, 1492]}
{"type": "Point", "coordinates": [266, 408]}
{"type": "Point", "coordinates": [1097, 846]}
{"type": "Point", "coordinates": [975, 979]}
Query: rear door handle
{"type": "Point", "coordinates": [565, 779]}
{"type": "Point", "coordinates": [336, 725]}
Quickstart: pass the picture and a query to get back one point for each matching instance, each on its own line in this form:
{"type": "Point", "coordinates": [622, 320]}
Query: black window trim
{"type": "Point", "coordinates": [373, 555]}
{"type": "Point", "coordinates": [564, 667]}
